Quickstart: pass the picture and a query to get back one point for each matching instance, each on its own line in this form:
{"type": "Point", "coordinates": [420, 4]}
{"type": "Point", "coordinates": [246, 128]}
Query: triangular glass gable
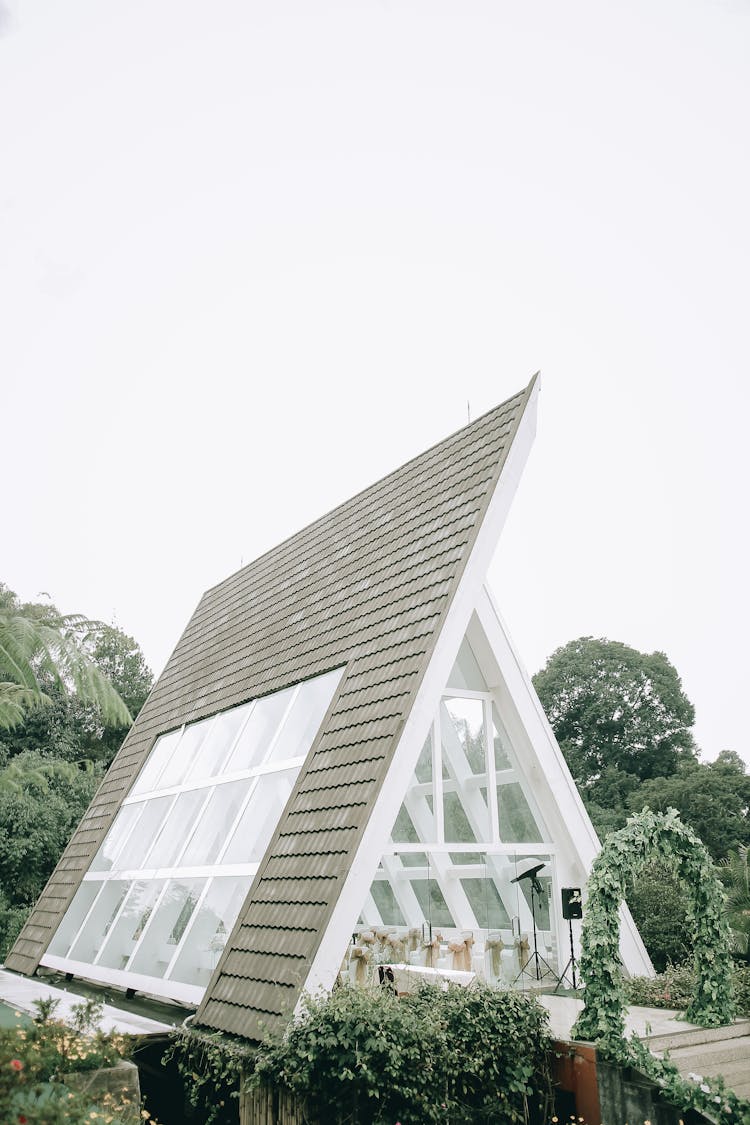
{"type": "Point", "coordinates": [165, 888]}
{"type": "Point", "coordinates": [445, 895]}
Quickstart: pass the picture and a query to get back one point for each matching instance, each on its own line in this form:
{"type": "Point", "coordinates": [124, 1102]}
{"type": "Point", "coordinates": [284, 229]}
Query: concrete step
{"type": "Point", "coordinates": [711, 1054]}
{"type": "Point", "coordinates": [728, 1058]}
{"type": "Point", "coordinates": [675, 1039]}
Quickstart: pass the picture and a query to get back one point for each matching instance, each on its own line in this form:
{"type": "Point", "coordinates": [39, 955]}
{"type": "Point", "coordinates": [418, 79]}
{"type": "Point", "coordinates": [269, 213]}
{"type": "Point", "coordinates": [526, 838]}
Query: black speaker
{"type": "Point", "coordinates": [572, 906]}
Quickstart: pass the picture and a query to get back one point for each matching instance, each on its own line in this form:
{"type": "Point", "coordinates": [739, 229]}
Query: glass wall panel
{"type": "Point", "coordinates": [129, 925]}
{"type": "Point", "coordinates": [416, 818]}
{"type": "Point", "coordinates": [504, 757]}
{"type": "Point", "coordinates": [516, 821]}
{"type": "Point", "coordinates": [175, 829]}
{"type": "Point", "coordinates": [304, 718]}
{"type": "Point", "coordinates": [90, 940]}
{"type": "Point", "coordinates": [162, 752]}
{"type": "Point", "coordinates": [209, 931]}
{"type": "Point", "coordinates": [73, 919]}
{"type": "Point", "coordinates": [215, 822]}
{"type": "Point", "coordinates": [430, 898]}
{"type": "Point", "coordinates": [260, 817]}
{"type": "Point", "coordinates": [485, 901]}
{"type": "Point", "coordinates": [465, 672]}
{"type": "Point", "coordinates": [121, 828]}
{"type": "Point", "coordinates": [214, 748]}
{"type": "Point", "coordinates": [387, 906]}
{"type": "Point", "coordinates": [141, 840]}
{"type": "Point", "coordinates": [143, 924]}
{"type": "Point", "coordinates": [166, 926]}
{"type": "Point", "coordinates": [462, 732]}
{"type": "Point", "coordinates": [177, 767]}
{"type": "Point", "coordinates": [257, 734]}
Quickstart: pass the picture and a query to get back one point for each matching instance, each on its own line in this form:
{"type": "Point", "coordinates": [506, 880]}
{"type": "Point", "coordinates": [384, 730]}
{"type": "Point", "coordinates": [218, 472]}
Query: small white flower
{"type": "Point", "coordinates": [695, 1077]}
{"type": "Point", "coordinates": [706, 1089]}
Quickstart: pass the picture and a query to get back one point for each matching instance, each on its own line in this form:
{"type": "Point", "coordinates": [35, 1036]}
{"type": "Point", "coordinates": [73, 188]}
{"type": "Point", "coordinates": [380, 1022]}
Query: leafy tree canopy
{"type": "Point", "coordinates": [42, 648]}
{"type": "Point", "coordinates": [613, 708]}
{"type": "Point", "coordinates": [712, 797]}
{"type": "Point", "coordinates": [60, 720]}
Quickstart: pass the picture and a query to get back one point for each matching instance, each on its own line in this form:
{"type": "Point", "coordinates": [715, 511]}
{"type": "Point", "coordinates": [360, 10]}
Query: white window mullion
{"type": "Point", "coordinates": [437, 780]}
{"type": "Point", "coordinates": [489, 748]}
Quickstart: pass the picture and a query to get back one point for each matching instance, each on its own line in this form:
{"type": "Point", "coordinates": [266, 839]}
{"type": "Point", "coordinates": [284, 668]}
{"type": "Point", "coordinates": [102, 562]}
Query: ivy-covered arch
{"type": "Point", "coordinates": [645, 837]}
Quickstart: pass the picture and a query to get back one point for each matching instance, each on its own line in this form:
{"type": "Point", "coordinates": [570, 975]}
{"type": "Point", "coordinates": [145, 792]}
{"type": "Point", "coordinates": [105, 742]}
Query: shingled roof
{"type": "Point", "coordinates": [365, 588]}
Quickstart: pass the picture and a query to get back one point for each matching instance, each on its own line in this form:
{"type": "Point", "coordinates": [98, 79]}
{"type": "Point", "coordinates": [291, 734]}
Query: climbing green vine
{"type": "Point", "coordinates": [645, 837]}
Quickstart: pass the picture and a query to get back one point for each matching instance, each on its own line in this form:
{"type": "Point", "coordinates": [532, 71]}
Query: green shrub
{"type": "Point", "coordinates": [674, 988]}
{"type": "Point", "coordinates": [459, 1056]}
{"type": "Point", "coordinates": [34, 1058]}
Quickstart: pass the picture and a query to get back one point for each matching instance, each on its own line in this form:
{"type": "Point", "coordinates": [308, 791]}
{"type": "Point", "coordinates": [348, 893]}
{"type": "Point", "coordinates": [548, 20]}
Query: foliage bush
{"type": "Point", "coordinates": [647, 837]}
{"type": "Point", "coordinates": [34, 1059]}
{"type": "Point", "coordinates": [459, 1056]}
{"type": "Point", "coordinates": [674, 988]}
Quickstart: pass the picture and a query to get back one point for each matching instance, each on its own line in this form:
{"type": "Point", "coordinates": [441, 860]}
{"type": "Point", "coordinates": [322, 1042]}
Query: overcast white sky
{"type": "Point", "coordinates": [254, 255]}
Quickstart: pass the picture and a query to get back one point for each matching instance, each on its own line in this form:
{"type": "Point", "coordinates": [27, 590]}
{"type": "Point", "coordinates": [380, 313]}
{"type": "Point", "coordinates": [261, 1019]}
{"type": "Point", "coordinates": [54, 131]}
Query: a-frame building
{"type": "Point", "coordinates": [343, 753]}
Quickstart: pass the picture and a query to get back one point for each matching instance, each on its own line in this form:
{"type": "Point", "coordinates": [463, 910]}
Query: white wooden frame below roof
{"type": "Point", "coordinates": [473, 612]}
{"type": "Point", "coordinates": [325, 965]}
{"type": "Point", "coordinates": [545, 768]}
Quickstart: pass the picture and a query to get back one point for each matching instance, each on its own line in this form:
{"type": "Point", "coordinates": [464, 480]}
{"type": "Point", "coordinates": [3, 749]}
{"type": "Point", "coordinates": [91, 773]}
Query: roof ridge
{"type": "Point", "coordinates": [524, 393]}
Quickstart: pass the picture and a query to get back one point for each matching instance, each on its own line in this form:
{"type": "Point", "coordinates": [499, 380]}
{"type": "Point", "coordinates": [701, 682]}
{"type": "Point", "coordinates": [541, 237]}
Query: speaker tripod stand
{"type": "Point", "coordinates": [541, 967]}
{"type": "Point", "coordinates": [571, 962]}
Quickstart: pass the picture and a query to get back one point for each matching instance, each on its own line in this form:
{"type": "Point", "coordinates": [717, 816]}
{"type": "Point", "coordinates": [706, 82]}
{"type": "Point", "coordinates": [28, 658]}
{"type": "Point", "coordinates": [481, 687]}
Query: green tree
{"type": "Point", "coordinates": [712, 797]}
{"type": "Point", "coordinates": [659, 908]}
{"type": "Point", "coordinates": [39, 648]}
{"type": "Point", "coordinates": [614, 708]}
{"type": "Point", "coordinates": [735, 875]}
{"type": "Point", "coordinates": [42, 799]}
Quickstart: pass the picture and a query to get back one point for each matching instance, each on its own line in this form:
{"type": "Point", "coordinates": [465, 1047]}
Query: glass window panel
{"type": "Point", "coordinates": [116, 836]}
{"type": "Point", "coordinates": [516, 821]}
{"type": "Point", "coordinates": [423, 769]}
{"type": "Point", "coordinates": [73, 919]}
{"type": "Point", "coordinates": [486, 903]}
{"type": "Point", "coordinates": [260, 817]}
{"type": "Point", "coordinates": [177, 767]}
{"type": "Point", "coordinates": [261, 726]}
{"type": "Point", "coordinates": [525, 887]}
{"type": "Point", "coordinates": [141, 840]}
{"type": "Point", "coordinates": [385, 900]}
{"type": "Point", "coordinates": [465, 672]}
{"type": "Point", "coordinates": [462, 732]}
{"type": "Point", "coordinates": [414, 859]}
{"type": "Point", "coordinates": [171, 837]}
{"type": "Point", "coordinates": [103, 914]}
{"type": "Point", "coordinates": [306, 714]}
{"type": "Point", "coordinates": [124, 934]}
{"type": "Point", "coordinates": [209, 931]}
{"type": "Point", "coordinates": [458, 829]}
{"type": "Point", "coordinates": [430, 898]}
{"type": "Point", "coordinates": [166, 926]}
{"type": "Point", "coordinates": [215, 823]}
{"type": "Point", "coordinates": [163, 750]}
{"type": "Point", "coordinates": [417, 825]}
{"type": "Point", "coordinates": [215, 746]}
{"type": "Point", "coordinates": [404, 831]}
{"type": "Point", "coordinates": [504, 759]}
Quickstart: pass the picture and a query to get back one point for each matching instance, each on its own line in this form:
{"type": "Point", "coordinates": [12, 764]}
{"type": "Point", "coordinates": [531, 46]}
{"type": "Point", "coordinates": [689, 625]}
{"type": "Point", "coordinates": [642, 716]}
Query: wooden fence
{"type": "Point", "coordinates": [266, 1106]}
